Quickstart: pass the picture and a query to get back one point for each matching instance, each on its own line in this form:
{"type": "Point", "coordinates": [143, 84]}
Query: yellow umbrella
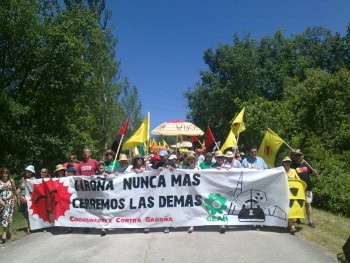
{"type": "Point", "coordinates": [177, 127]}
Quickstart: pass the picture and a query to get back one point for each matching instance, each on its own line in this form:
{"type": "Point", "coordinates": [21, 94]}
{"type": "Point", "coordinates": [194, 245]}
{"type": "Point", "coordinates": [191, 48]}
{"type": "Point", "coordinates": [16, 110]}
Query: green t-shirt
{"type": "Point", "coordinates": [204, 165]}
{"type": "Point", "coordinates": [108, 167]}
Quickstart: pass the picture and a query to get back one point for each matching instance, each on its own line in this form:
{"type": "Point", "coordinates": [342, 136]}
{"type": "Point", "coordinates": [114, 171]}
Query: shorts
{"type": "Point", "coordinates": [308, 197]}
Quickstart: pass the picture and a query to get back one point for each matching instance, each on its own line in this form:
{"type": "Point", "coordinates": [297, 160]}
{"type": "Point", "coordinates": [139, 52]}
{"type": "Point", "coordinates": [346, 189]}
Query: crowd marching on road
{"type": "Point", "coordinates": [295, 167]}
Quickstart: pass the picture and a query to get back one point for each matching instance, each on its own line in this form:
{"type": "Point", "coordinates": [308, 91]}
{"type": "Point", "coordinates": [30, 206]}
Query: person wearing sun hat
{"type": "Point", "coordinates": [220, 161]}
{"type": "Point", "coordinates": [110, 164]}
{"type": "Point", "coordinates": [139, 164]}
{"type": "Point", "coordinates": [291, 175]}
{"type": "Point", "coordinates": [21, 193]}
{"type": "Point", "coordinates": [60, 171]}
{"type": "Point", "coordinates": [124, 164]}
{"type": "Point", "coordinates": [221, 164]}
{"type": "Point", "coordinates": [229, 159]}
{"type": "Point", "coordinates": [191, 162]}
{"type": "Point", "coordinates": [304, 171]}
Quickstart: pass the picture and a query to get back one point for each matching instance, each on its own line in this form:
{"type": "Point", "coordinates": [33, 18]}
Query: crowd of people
{"type": "Point", "coordinates": [295, 167]}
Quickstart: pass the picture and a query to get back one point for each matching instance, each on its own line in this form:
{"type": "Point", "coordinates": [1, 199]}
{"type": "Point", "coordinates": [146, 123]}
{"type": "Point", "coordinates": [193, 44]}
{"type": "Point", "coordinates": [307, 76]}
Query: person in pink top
{"type": "Point", "coordinates": [88, 166]}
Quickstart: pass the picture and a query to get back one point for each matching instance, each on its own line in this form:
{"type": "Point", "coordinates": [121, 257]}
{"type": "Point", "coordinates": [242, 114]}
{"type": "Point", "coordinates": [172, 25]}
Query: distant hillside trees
{"type": "Point", "coordinates": [298, 86]}
{"type": "Point", "coordinates": [60, 87]}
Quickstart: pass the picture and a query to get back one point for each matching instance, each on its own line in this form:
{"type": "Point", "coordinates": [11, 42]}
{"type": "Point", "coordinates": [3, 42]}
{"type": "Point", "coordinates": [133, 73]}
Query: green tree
{"type": "Point", "coordinates": [60, 87]}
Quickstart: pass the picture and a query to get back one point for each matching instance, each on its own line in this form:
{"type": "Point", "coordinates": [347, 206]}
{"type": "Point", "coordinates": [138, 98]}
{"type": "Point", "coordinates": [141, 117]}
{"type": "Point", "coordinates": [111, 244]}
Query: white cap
{"type": "Point", "coordinates": [173, 156]}
{"type": "Point", "coordinates": [30, 168]}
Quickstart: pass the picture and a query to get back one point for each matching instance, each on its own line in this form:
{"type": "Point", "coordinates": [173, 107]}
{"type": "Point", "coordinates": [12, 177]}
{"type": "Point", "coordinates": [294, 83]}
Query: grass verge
{"type": "Point", "coordinates": [18, 226]}
{"type": "Point", "coordinates": [331, 231]}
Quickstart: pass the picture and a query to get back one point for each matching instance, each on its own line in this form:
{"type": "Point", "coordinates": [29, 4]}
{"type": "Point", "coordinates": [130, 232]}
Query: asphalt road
{"type": "Point", "coordinates": [241, 244]}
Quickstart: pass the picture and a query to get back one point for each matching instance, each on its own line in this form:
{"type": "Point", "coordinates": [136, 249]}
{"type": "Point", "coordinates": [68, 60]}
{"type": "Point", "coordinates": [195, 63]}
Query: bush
{"type": "Point", "coordinates": [331, 187]}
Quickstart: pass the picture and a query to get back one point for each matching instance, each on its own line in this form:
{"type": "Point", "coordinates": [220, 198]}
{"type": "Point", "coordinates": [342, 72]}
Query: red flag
{"type": "Point", "coordinates": [125, 127]}
{"type": "Point", "coordinates": [209, 140]}
{"type": "Point", "coordinates": [195, 143]}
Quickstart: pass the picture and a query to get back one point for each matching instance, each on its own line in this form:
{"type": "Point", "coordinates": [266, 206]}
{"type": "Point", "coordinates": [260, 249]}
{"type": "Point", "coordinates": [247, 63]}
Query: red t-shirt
{"type": "Point", "coordinates": [88, 167]}
{"type": "Point", "coordinates": [76, 165]}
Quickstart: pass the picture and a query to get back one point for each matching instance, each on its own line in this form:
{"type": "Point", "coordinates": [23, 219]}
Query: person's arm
{"type": "Point", "coordinates": [2, 203]}
{"type": "Point", "coordinates": [237, 164]}
{"type": "Point", "coordinates": [245, 163]}
{"type": "Point", "coordinates": [18, 192]}
{"type": "Point", "coordinates": [14, 192]}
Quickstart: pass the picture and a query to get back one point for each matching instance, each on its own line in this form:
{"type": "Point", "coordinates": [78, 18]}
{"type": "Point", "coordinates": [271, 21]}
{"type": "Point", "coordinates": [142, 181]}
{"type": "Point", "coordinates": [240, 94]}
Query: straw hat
{"type": "Point", "coordinates": [59, 167]}
{"type": "Point", "coordinates": [109, 152]}
{"type": "Point", "coordinates": [191, 156]}
{"type": "Point", "coordinates": [219, 154]}
{"type": "Point", "coordinates": [123, 157]}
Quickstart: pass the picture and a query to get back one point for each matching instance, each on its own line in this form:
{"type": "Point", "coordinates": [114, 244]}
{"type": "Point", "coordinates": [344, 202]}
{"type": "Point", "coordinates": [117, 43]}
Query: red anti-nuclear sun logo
{"type": "Point", "coordinates": [50, 199]}
{"type": "Point", "coordinates": [267, 150]}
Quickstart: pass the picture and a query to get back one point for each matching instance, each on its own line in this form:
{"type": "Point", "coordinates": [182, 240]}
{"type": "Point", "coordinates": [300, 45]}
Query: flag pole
{"type": "Point", "coordinates": [217, 146]}
{"type": "Point", "coordinates": [116, 154]}
{"type": "Point", "coordinates": [148, 140]}
{"type": "Point", "coordinates": [177, 141]}
{"type": "Point", "coordinates": [238, 133]}
{"type": "Point", "coordinates": [122, 132]}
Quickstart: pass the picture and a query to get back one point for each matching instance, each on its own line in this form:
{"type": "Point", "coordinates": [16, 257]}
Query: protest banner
{"type": "Point", "coordinates": [161, 199]}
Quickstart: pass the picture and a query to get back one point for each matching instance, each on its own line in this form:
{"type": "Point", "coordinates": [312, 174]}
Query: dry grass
{"type": "Point", "coordinates": [331, 231]}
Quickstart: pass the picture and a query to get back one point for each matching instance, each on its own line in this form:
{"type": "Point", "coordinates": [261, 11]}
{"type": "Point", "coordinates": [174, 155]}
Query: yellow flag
{"type": "Point", "coordinates": [269, 147]}
{"type": "Point", "coordinates": [151, 143]}
{"type": "Point", "coordinates": [238, 124]}
{"type": "Point", "coordinates": [165, 144]}
{"type": "Point", "coordinates": [230, 141]}
{"type": "Point", "coordinates": [141, 135]}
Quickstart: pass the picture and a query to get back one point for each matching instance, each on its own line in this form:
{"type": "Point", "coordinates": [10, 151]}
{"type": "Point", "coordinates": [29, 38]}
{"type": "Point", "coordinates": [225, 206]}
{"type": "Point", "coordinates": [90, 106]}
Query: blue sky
{"type": "Point", "coordinates": [161, 42]}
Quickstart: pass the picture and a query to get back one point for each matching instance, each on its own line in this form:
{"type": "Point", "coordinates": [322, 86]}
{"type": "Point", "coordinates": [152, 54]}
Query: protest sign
{"type": "Point", "coordinates": [161, 199]}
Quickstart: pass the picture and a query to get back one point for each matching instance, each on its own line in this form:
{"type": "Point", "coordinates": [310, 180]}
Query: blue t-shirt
{"type": "Point", "coordinates": [258, 163]}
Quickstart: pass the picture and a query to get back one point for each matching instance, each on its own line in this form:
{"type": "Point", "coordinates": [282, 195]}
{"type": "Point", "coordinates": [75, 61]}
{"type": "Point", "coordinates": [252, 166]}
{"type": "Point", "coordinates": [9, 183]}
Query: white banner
{"type": "Point", "coordinates": [161, 199]}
